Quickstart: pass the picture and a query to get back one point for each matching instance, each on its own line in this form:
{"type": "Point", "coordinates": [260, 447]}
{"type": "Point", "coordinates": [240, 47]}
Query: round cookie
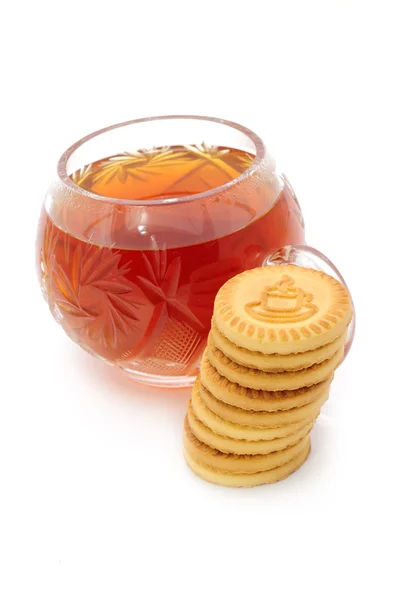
{"type": "Point", "coordinates": [262, 418]}
{"type": "Point", "coordinates": [230, 445]}
{"type": "Point", "coordinates": [237, 463]}
{"type": "Point", "coordinates": [261, 380]}
{"type": "Point", "coordinates": [239, 432]}
{"type": "Point", "coordinates": [274, 362]}
{"type": "Point", "coordinates": [247, 479]}
{"type": "Point", "coordinates": [253, 400]}
{"type": "Point", "coordinates": [282, 309]}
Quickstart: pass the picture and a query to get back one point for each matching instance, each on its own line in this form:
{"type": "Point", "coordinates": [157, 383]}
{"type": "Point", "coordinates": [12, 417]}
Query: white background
{"type": "Point", "coordinates": [96, 501]}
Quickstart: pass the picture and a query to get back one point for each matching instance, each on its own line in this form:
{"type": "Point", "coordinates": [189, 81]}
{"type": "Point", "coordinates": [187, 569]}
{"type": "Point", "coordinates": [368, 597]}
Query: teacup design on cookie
{"type": "Point", "coordinates": [282, 303]}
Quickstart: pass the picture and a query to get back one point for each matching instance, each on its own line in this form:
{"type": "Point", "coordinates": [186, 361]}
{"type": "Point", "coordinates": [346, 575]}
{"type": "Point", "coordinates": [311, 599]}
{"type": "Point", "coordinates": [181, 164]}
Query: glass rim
{"type": "Point", "coordinates": [67, 181]}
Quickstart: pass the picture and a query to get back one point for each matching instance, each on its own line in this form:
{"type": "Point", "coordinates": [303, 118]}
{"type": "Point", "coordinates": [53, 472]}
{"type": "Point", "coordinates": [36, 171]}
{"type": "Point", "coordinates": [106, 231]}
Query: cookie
{"type": "Point", "coordinates": [274, 362]}
{"type": "Point", "coordinates": [250, 399]}
{"type": "Point", "coordinates": [282, 309]}
{"type": "Point", "coordinates": [236, 463]}
{"type": "Point", "coordinates": [307, 412]}
{"type": "Point", "coordinates": [261, 380]}
{"type": "Point", "coordinates": [248, 479]}
{"type": "Point", "coordinates": [239, 432]}
{"type": "Point", "coordinates": [229, 445]}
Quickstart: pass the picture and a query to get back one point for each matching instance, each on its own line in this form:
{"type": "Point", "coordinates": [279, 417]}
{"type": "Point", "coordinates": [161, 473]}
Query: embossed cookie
{"type": "Point", "coordinates": [258, 400]}
{"type": "Point", "coordinates": [274, 362]}
{"type": "Point", "coordinates": [247, 479]}
{"type": "Point", "coordinates": [236, 463]}
{"type": "Point", "coordinates": [230, 445]}
{"type": "Point", "coordinates": [282, 309]}
{"type": "Point", "coordinates": [262, 418]}
{"type": "Point", "coordinates": [261, 380]}
{"type": "Point", "coordinates": [239, 432]}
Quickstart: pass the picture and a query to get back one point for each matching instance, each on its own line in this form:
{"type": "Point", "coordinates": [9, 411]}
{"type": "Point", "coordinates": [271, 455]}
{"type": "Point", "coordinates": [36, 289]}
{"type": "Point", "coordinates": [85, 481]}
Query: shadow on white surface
{"type": "Point", "coordinates": [112, 381]}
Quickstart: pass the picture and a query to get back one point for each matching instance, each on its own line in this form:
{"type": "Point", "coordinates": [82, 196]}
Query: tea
{"type": "Point", "coordinates": [140, 294]}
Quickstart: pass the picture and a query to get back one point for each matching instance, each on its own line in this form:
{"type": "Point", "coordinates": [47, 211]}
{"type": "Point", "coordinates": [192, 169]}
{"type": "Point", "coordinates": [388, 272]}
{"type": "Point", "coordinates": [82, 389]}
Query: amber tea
{"type": "Point", "coordinates": [135, 285]}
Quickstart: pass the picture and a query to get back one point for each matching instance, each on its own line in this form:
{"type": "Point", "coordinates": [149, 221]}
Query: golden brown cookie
{"type": "Point", "coordinates": [230, 445]}
{"type": "Point", "coordinates": [248, 479]}
{"type": "Point", "coordinates": [235, 463]}
{"type": "Point", "coordinates": [274, 362]}
{"type": "Point", "coordinates": [261, 380]}
{"type": "Point", "coordinates": [239, 432]}
{"type": "Point", "coordinates": [250, 399]}
{"type": "Point", "coordinates": [276, 418]}
{"type": "Point", "coordinates": [282, 309]}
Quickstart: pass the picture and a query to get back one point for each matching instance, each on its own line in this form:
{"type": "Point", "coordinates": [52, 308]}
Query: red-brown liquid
{"type": "Point", "coordinates": [148, 309]}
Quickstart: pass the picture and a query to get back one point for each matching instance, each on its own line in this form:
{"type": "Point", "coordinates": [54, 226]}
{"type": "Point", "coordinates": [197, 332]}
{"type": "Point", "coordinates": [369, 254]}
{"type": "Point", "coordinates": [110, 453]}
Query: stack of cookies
{"type": "Point", "coordinates": [277, 336]}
